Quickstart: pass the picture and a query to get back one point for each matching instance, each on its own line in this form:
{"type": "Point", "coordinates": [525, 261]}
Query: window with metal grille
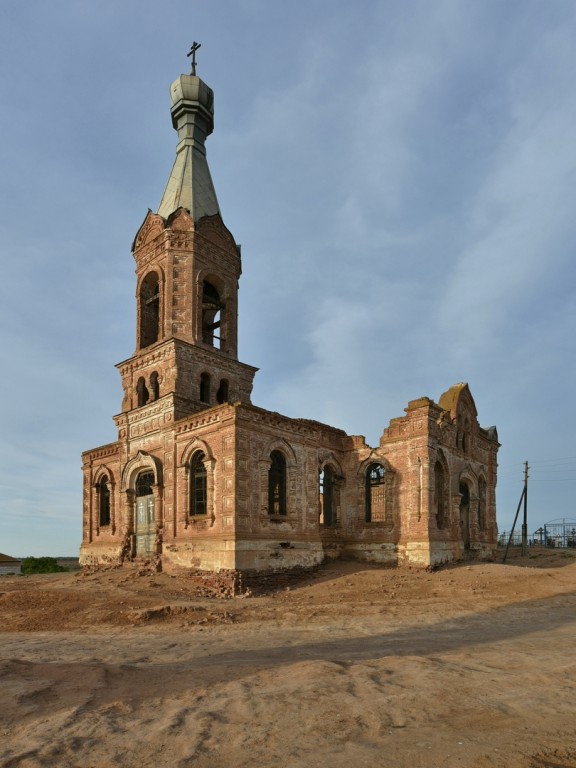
{"type": "Point", "coordinates": [144, 484]}
{"type": "Point", "coordinates": [375, 494]}
{"type": "Point", "coordinates": [198, 485]}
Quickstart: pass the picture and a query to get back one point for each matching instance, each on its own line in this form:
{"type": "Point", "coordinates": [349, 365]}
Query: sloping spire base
{"type": "Point", "coordinates": [190, 186]}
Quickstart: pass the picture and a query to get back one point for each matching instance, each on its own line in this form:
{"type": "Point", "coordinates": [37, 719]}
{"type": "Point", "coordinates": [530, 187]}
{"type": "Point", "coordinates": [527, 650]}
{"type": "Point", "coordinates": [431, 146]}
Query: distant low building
{"type": "Point", "coordinates": [9, 565]}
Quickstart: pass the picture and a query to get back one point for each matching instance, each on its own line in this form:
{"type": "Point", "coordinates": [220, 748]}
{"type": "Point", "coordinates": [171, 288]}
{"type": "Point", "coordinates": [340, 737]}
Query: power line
{"type": "Point", "coordinates": [544, 461]}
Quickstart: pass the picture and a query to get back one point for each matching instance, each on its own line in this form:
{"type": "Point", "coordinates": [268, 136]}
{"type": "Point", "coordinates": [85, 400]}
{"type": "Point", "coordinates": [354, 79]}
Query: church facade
{"type": "Point", "coordinates": [201, 479]}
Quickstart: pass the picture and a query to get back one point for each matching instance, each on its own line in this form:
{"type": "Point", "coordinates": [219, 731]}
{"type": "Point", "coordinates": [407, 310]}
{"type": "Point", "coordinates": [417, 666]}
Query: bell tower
{"type": "Point", "coordinates": [187, 271]}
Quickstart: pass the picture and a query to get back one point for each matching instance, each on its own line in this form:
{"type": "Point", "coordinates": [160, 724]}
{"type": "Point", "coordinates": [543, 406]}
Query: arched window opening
{"type": "Point", "coordinates": [212, 307]}
{"type": "Point", "coordinates": [222, 394]}
{"type": "Point", "coordinates": [104, 501]}
{"type": "Point", "coordinates": [142, 391]}
{"type": "Point", "coordinates": [482, 504]}
{"type": "Point", "coordinates": [144, 484]}
{"type": "Point", "coordinates": [205, 388]}
{"type": "Point", "coordinates": [440, 494]}
{"type": "Point", "coordinates": [465, 514]}
{"type": "Point", "coordinates": [198, 485]}
{"type": "Point", "coordinates": [327, 505]}
{"type": "Point", "coordinates": [155, 386]}
{"type": "Point", "coordinates": [375, 494]}
{"type": "Point", "coordinates": [277, 484]}
{"type": "Point", "coordinates": [149, 310]}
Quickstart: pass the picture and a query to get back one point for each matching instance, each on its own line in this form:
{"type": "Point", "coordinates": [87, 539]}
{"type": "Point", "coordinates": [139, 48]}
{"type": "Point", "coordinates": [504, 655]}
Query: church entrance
{"type": "Point", "coordinates": [145, 529]}
{"type": "Point", "coordinates": [465, 515]}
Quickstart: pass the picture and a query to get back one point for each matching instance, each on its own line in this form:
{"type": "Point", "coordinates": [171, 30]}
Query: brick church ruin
{"type": "Point", "coordinates": [201, 479]}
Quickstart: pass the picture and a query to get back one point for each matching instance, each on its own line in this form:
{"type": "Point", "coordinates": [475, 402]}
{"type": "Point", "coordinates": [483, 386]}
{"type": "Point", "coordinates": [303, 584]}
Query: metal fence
{"type": "Point", "coordinates": [558, 534]}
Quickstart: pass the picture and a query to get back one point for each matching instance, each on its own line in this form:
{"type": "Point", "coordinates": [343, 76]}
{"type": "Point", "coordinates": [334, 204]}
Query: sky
{"type": "Point", "coordinates": [401, 175]}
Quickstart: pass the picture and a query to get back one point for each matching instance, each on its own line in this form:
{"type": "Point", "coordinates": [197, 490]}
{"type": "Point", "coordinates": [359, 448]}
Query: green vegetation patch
{"type": "Point", "coordinates": [41, 565]}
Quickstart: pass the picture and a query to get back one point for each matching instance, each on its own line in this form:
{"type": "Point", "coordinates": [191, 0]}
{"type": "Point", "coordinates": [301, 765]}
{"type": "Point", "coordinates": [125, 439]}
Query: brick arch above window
{"type": "Point", "coordinates": [374, 458]}
{"type": "Point", "coordinates": [142, 461]}
{"type": "Point", "coordinates": [284, 447]}
{"type": "Point", "coordinates": [102, 470]}
{"type": "Point", "coordinates": [195, 445]}
{"type": "Point", "coordinates": [467, 477]}
{"type": "Point", "coordinates": [327, 458]}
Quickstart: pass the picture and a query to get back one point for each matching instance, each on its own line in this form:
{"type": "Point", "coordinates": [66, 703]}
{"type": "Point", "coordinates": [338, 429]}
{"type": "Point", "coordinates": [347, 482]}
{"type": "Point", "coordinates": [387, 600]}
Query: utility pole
{"type": "Point", "coordinates": [523, 498]}
{"type": "Point", "coordinates": [525, 520]}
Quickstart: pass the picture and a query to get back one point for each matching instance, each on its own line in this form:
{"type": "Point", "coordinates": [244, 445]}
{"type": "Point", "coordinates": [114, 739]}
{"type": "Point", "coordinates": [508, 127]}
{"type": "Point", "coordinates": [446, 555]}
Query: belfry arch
{"type": "Point", "coordinates": [149, 310]}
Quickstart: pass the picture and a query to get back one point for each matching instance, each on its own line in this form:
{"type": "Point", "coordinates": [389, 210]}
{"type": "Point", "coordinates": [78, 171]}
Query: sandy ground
{"type": "Point", "coordinates": [473, 665]}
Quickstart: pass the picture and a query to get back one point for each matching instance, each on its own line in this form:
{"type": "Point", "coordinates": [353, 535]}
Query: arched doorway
{"type": "Point", "coordinates": [144, 527]}
{"type": "Point", "coordinates": [465, 514]}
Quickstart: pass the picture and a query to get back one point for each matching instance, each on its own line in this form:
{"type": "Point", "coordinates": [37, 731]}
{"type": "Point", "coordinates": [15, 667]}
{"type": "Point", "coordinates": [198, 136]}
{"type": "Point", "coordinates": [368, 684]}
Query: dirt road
{"type": "Point", "coordinates": [473, 665]}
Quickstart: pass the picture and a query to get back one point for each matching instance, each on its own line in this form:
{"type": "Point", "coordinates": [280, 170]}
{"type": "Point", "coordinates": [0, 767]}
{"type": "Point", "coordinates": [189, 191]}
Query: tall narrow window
{"type": "Point", "coordinates": [155, 386]}
{"type": "Point", "coordinates": [142, 391]}
{"type": "Point", "coordinates": [212, 307]}
{"type": "Point", "coordinates": [277, 484]}
{"type": "Point", "coordinates": [327, 507]}
{"type": "Point", "coordinates": [104, 501]}
{"type": "Point", "coordinates": [222, 394]}
{"type": "Point", "coordinates": [482, 504]}
{"type": "Point", "coordinates": [375, 494]}
{"type": "Point", "coordinates": [205, 388]}
{"type": "Point", "coordinates": [440, 494]}
{"type": "Point", "coordinates": [198, 485]}
{"type": "Point", "coordinates": [149, 310]}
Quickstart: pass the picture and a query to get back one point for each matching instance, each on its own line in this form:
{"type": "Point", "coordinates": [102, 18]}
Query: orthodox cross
{"type": "Point", "coordinates": [192, 53]}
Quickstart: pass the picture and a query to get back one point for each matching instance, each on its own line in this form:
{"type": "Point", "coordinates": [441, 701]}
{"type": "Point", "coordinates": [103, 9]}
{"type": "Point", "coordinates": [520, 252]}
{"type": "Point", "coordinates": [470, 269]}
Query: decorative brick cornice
{"type": "Point", "coordinates": [144, 360]}
{"type": "Point", "coordinates": [155, 408]}
{"type": "Point", "coordinates": [111, 449]}
{"type": "Point", "coordinates": [211, 416]}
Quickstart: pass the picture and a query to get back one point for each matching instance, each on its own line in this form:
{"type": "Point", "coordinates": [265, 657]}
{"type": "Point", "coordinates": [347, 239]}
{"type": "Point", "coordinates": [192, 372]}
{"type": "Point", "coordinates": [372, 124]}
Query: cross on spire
{"type": "Point", "coordinates": [192, 53]}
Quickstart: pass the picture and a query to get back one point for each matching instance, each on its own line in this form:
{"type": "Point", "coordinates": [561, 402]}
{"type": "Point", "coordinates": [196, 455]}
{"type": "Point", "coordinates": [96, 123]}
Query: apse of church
{"type": "Point", "coordinates": [200, 479]}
